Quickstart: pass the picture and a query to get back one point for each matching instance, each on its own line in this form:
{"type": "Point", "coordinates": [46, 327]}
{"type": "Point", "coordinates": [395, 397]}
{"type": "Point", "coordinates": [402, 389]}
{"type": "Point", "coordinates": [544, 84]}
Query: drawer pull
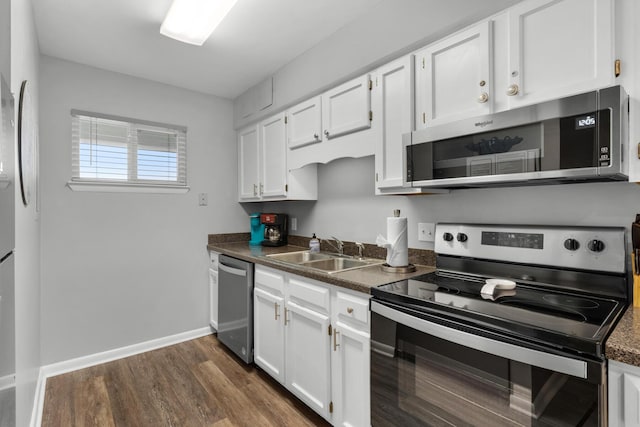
{"type": "Point", "coordinates": [286, 318]}
{"type": "Point", "coordinates": [335, 340]}
{"type": "Point", "coordinates": [277, 309]}
{"type": "Point", "coordinates": [349, 310]}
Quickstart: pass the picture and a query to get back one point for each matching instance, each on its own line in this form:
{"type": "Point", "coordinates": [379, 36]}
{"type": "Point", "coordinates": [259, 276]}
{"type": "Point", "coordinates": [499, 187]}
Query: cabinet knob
{"type": "Point", "coordinates": [513, 90]}
{"type": "Point", "coordinates": [349, 310]}
{"type": "Point", "coordinates": [326, 133]}
{"type": "Point", "coordinates": [484, 97]}
{"type": "Point", "coordinates": [316, 136]}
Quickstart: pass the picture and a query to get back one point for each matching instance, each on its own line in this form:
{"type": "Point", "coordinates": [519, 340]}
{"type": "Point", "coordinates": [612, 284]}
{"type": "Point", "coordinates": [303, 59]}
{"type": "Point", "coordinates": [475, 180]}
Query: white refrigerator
{"type": "Point", "coordinates": [7, 245]}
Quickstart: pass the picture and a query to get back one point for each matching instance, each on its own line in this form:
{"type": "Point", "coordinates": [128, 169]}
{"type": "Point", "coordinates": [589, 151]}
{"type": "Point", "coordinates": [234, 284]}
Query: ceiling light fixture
{"type": "Point", "coordinates": [193, 21]}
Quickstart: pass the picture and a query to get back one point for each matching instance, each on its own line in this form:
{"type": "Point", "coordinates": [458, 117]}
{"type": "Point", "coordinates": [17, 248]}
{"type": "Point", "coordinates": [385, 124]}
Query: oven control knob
{"type": "Point", "coordinates": [461, 237]}
{"type": "Point", "coordinates": [572, 244]}
{"type": "Point", "coordinates": [596, 245]}
{"type": "Point", "coordinates": [447, 237]}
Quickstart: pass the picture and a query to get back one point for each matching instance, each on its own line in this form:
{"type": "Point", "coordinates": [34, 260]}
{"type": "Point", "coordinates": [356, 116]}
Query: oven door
{"type": "Point", "coordinates": [427, 374]}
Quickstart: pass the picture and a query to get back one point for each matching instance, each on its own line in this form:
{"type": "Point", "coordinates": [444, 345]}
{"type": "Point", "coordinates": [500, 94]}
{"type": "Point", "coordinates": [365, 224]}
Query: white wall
{"type": "Point", "coordinates": [24, 66]}
{"type": "Point", "coordinates": [120, 268]}
{"type": "Point", "coordinates": [348, 208]}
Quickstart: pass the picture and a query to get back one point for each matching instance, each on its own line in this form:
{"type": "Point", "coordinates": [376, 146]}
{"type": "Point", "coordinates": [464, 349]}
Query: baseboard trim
{"type": "Point", "coordinates": [8, 381]}
{"type": "Point", "coordinates": [66, 366]}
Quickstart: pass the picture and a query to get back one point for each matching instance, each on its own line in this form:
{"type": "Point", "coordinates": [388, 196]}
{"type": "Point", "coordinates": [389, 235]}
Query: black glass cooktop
{"type": "Point", "coordinates": [564, 319]}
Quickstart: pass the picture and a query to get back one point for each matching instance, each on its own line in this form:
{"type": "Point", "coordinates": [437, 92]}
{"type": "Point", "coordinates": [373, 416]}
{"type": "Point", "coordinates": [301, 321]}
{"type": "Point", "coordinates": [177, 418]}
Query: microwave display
{"type": "Point", "coordinates": [572, 142]}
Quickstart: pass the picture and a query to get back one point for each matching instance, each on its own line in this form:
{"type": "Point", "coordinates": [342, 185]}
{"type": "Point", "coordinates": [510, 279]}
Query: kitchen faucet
{"type": "Point", "coordinates": [339, 246]}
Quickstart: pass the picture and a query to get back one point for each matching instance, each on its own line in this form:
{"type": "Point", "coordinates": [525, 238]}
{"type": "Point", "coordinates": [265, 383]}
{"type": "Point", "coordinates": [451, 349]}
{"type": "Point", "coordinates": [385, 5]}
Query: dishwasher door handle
{"type": "Point", "coordinates": [231, 270]}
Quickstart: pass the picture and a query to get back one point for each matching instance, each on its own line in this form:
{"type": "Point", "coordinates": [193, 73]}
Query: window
{"type": "Point", "coordinates": [123, 153]}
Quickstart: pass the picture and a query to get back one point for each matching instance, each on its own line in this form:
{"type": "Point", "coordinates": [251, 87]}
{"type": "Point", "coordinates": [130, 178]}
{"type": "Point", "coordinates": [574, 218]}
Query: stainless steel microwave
{"type": "Point", "coordinates": [577, 138]}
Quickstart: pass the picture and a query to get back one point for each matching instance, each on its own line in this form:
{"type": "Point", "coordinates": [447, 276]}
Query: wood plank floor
{"type": "Point", "coordinates": [195, 383]}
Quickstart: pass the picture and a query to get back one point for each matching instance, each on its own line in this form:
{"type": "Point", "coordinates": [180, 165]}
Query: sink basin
{"type": "Point", "coordinates": [336, 264]}
{"type": "Point", "coordinates": [299, 257]}
{"type": "Point", "coordinates": [326, 262]}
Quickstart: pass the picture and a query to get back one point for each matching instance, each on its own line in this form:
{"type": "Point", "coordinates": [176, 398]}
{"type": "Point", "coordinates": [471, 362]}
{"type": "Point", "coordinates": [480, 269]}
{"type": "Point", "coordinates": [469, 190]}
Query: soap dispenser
{"type": "Point", "coordinates": [314, 244]}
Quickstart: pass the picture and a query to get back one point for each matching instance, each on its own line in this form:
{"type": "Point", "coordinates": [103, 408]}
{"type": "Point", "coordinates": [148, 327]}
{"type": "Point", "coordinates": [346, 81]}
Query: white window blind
{"type": "Point", "coordinates": [109, 149]}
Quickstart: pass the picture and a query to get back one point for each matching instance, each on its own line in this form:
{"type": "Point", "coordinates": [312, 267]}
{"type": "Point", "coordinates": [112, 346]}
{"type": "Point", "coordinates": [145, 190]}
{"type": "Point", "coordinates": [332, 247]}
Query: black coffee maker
{"type": "Point", "coordinates": [275, 229]}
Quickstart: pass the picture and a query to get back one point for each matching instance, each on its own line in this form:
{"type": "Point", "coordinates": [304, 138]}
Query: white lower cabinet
{"type": "Point", "coordinates": [213, 289]}
{"type": "Point", "coordinates": [307, 360]}
{"type": "Point", "coordinates": [268, 333]}
{"type": "Point", "coordinates": [314, 339]}
{"type": "Point", "coordinates": [624, 395]}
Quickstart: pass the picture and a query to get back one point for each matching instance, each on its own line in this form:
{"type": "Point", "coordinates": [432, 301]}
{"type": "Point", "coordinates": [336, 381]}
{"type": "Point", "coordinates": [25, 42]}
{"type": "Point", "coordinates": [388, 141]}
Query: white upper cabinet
{"type": "Point", "coordinates": [248, 169]}
{"type": "Point", "coordinates": [392, 102]}
{"type": "Point", "coordinates": [263, 170]}
{"type": "Point", "coordinates": [347, 108]}
{"type": "Point", "coordinates": [557, 48]}
{"type": "Point", "coordinates": [453, 77]}
{"type": "Point", "coordinates": [304, 123]}
{"type": "Point", "coordinates": [273, 157]}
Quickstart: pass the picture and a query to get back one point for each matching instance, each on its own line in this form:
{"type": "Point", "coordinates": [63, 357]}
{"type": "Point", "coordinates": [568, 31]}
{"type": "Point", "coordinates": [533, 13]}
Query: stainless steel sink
{"type": "Point", "coordinates": [322, 261]}
{"type": "Point", "coordinates": [299, 257]}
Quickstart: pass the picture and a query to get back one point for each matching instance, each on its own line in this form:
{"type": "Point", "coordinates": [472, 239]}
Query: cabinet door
{"type": "Point", "coordinates": [304, 123]}
{"type": "Point", "coordinates": [273, 157]}
{"type": "Point", "coordinates": [308, 368]}
{"type": "Point", "coordinates": [558, 48]}
{"type": "Point", "coordinates": [393, 105]}
{"type": "Point", "coordinates": [248, 171]}
{"type": "Point", "coordinates": [631, 387]}
{"type": "Point", "coordinates": [346, 108]}
{"type": "Point", "coordinates": [350, 381]}
{"type": "Point", "coordinates": [213, 299]}
{"type": "Point", "coordinates": [268, 333]}
{"type": "Point", "coordinates": [454, 79]}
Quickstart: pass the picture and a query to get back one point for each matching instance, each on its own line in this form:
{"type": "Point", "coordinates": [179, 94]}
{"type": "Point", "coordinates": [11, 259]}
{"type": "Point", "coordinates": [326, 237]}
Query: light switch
{"type": "Point", "coordinates": [202, 197]}
{"type": "Point", "coordinates": [426, 232]}
{"type": "Point", "coordinates": [294, 223]}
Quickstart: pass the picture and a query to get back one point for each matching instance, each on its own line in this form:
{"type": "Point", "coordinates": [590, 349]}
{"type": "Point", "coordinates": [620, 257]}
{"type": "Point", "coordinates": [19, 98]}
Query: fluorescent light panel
{"type": "Point", "coordinates": [193, 21]}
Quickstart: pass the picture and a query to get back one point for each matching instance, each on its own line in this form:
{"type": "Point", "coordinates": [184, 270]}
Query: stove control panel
{"type": "Point", "coordinates": [586, 248]}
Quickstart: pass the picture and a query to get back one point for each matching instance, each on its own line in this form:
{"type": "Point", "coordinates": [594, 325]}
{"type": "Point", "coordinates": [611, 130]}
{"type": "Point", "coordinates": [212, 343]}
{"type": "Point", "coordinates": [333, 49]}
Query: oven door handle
{"type": "Point", "coordinates": [564, 365]}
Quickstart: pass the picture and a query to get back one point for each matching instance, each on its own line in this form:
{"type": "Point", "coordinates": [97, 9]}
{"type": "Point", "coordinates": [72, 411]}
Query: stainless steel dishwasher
{"type": "Point", "coordinates": [235, 306]}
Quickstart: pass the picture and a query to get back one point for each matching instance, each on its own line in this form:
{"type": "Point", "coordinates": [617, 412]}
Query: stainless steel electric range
{"type": "Point", "coordinates": [509, 330]}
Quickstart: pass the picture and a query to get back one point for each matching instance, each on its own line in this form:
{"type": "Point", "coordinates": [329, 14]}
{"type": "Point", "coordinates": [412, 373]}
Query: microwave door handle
{"type": "Point", "coordinates": [553, 362]}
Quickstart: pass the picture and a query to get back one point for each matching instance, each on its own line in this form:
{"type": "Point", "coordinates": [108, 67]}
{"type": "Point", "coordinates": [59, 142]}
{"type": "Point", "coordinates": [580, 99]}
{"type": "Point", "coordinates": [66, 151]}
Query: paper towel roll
{"type": "Point", "coordinates": [398, 253]}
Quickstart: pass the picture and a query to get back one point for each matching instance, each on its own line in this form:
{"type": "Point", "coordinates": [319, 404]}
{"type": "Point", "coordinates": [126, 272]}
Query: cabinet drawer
{"type": "Point", "coordinates": [308, 294]}
{"type": "Point", "coordinates": [269, 279]}
{"type": "Point", "coordinates": [213, 260]}
{"type": "Point", "coordinates": [352, 308]}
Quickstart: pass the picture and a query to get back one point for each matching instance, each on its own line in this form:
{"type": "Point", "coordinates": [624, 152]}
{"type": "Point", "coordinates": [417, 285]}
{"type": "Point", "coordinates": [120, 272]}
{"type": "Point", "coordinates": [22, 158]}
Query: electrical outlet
{"type": "Point", "coordinates": [202, 199]}
{"type": "Point", "coordinates": [426, 232]}
{"type": "Point", "coordinates": [294, 224]}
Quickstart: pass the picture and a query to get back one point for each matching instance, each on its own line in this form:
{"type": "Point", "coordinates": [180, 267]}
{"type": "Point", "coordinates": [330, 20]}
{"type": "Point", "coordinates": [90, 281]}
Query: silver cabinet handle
{"type": "Point", "coordinates": [335, 340]}
{"type": "Point", "coordinates": [277, 309]}
{"type": "Point", "coordinates": [484, 97]}
{"type": "Point", "coordinates": [261, 189]}
{"type": "Point", "coordinates": [513, 90]}
{"type": "Point", "coordinates": [255, 190]}
{"type": "Point", "coordinates": [286, 315]}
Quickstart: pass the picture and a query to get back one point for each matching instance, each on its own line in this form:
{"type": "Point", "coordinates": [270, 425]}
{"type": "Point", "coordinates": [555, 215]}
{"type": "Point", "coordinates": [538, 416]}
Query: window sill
{"type": "Point", "coordinates": [114, 187]}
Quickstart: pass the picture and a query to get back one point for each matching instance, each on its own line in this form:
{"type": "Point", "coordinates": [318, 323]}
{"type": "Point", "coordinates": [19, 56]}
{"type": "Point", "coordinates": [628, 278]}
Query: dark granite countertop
{"type": "Point", "coordinates": [362, 279]}
{"type": "Point", "coordinates": [623, 344]}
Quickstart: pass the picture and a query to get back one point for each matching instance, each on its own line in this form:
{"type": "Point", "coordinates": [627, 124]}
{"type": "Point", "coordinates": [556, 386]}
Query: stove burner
{"type": "Point", "coordinates": [567, 301]}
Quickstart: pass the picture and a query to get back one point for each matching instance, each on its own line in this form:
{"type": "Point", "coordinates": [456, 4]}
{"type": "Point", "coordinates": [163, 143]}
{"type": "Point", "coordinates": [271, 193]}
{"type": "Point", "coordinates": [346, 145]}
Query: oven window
{"type": "Point", "coordinates": [421, 380]}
